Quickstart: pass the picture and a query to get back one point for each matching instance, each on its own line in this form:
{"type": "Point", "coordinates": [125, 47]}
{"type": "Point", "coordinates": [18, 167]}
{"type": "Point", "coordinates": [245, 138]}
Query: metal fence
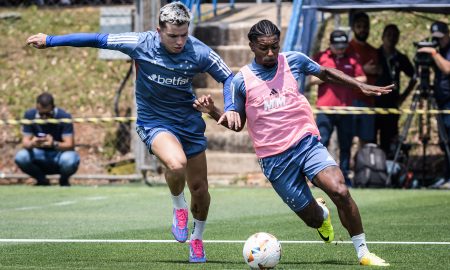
{"type": "Point", "coordinates": [104, 148]}
{"type": "Point", "coordinates": [15, 3]}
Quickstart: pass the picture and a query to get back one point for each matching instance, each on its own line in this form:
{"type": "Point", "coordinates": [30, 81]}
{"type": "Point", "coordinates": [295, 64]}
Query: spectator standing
{"type": "Point", "coordinates": [48, 148]}
{"type": "Point", "coordinates": [337, 95]}
{"type": "Point", "coordinates": [392, 63]}
{"type": "Point", "coordinates": [441, 57]}
{"type": "Point", "coordinates": [364, 125]}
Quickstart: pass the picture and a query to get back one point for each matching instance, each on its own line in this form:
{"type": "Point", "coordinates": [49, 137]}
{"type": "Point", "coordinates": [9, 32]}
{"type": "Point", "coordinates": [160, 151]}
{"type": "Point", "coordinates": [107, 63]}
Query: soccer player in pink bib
{"type": "Point", "coordinates": [285, 136]}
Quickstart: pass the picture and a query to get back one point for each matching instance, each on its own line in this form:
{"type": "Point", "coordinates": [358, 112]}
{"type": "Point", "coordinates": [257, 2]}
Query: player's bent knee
{"type": "Point", "coordinates": [341, 193]}
{"type": "Point", "coordinates": [176, 167]}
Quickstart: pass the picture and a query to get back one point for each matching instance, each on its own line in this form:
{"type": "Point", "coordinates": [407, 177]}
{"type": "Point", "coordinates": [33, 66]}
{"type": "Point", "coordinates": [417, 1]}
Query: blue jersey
{"type": "Point", "coordinates": [299, 64]}
{"type": "Point", "coordinates": [164, 81]}
{"type": "Point", "coordinates": [57, 131]}
{"type": "Point", "coordinates": [164, 94]}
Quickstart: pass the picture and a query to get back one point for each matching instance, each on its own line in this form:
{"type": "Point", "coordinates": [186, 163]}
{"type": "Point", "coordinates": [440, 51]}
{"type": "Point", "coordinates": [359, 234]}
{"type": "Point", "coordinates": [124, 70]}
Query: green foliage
{"type": "Point", "coordinates": [110, 143]}
{"type": "Point", "coordinates": [138, 212]}
{"type": "Point", "coordinates": [81, 83]}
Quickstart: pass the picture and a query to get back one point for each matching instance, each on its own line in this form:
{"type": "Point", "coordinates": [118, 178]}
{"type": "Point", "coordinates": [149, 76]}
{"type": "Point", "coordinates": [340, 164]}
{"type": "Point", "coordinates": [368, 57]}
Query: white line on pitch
{"type": "Point", "coordinates": [206, 241]}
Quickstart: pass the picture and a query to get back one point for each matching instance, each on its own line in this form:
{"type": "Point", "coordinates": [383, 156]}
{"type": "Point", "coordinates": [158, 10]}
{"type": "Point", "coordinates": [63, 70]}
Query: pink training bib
{"type": "Point", "coordinates": [278, 116]}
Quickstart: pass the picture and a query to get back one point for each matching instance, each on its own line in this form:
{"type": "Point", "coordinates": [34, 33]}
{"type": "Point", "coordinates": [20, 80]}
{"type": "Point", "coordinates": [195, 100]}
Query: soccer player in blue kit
{"type": "Point", "coordinates": [285, 136]}
{"type": "Point", "coordinates": [166, 61]}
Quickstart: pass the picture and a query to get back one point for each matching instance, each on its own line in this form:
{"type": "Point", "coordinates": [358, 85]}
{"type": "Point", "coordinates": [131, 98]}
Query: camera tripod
{"type": "Point", "coordinates": [423, 92]}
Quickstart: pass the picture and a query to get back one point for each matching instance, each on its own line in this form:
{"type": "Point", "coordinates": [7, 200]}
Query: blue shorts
{"type": "Point", "coordinates": [192, 144]}
{"type": "Point", "coordinates": [363, 124]}
{"type": "Point", "coordinates": [287, 171]}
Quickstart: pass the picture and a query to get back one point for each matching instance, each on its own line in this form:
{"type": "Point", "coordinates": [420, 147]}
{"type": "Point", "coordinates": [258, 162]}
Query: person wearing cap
{"type": "Point", "coordinates": [392, 63]}
{"type": "Point", "coordinates": [441, 56]}
{"type": "Point", "coordinates": [330, 94]}
{"type": "Point", "coordinates": [364, 124]}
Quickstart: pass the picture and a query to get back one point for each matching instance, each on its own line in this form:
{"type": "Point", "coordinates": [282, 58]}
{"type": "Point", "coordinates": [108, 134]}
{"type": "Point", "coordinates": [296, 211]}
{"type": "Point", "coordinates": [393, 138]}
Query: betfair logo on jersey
{"type": "Point", "coordinates": [168, 81]}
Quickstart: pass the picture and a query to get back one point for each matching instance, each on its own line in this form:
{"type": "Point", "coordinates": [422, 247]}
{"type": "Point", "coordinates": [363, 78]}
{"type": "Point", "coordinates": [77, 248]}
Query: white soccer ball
{"type": "Point", "coordinates": [262, 251]}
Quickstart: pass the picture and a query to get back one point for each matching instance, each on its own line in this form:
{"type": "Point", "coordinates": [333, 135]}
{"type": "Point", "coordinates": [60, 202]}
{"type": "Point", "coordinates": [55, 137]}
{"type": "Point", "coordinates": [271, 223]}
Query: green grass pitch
{"type": "Point", "coordinates": [137, 212]}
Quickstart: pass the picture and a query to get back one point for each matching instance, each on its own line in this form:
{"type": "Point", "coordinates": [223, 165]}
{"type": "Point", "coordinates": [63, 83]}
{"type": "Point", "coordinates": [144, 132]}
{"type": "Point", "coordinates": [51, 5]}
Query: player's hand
{"type": "Point", "coordinates": [204, 104]}
{"type": "Point", "coordinates": [232, 118]}
{"type": "Point", "coordinates": [372, 90]}
{"type": "Point", "coordinates": [38, 41]}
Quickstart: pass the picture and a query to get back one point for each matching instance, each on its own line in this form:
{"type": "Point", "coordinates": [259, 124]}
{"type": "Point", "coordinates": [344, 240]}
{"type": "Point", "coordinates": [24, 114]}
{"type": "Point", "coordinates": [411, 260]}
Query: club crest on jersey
{"type": "Point", "coordinates": [168, 81]}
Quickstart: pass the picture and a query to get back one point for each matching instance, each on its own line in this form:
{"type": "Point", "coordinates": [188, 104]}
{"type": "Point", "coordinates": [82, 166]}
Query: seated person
{"type": "Point", "coordinates": [48, 148]}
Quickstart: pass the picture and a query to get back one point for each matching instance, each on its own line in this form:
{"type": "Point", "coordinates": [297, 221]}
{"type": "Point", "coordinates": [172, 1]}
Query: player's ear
{"type": "Point", "coordinates": [252, 46]}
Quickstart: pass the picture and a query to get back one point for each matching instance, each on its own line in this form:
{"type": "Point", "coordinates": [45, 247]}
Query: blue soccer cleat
{"type": "Point", "coordinates": [196, 251]}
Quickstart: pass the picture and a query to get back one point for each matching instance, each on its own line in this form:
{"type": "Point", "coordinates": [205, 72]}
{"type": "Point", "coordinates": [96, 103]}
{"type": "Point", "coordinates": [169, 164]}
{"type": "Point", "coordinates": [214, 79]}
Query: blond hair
{"type": "Point", "coordinates": [174, 13]}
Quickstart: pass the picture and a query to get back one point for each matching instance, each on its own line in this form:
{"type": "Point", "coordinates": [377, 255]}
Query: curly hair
{"type": "Point", "coordinates": [263, 28]}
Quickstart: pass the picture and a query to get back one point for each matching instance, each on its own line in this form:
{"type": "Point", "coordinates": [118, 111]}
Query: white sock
{"type": "Point", "coordinates": [197, 231]}
{"type": "Point", "coordinates": [359, 242]}
{"type": "Point", "coordinates": [325, 211]}
{"type": "Point", "coordinates": [179, 202]}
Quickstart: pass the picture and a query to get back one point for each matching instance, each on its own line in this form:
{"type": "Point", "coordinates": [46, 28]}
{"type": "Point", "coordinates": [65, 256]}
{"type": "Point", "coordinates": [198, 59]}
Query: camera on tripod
{"type": "Point", "coordinates": [423, 62]}
{"type": "Point", "coordinates": [424, 59]}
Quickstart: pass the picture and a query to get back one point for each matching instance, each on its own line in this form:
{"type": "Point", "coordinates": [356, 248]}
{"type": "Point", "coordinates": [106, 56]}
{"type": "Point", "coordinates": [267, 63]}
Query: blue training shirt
{"type": "Point", "coordinates": [164, 94]}
{"type": "Point", "coordinates": [299, 63]}
{"type": "Point", "coordinates": [57, 131]}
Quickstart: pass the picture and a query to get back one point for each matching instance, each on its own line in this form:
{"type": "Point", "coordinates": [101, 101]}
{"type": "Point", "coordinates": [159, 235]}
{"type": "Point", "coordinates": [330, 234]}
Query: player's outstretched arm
{"type": "Point", "coordinates": [332, 75]}
{"type": "Point", "coordinates": [95, 40]}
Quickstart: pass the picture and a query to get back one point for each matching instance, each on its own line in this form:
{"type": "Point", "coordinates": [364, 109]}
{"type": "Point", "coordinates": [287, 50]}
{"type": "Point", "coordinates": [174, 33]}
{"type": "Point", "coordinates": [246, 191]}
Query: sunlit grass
{"type": "Point", "coordinates": [139, 212]}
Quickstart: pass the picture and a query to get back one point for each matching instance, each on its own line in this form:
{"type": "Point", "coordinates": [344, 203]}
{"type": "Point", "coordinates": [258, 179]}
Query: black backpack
{"type": "Point", "coordinates": [370, 167]}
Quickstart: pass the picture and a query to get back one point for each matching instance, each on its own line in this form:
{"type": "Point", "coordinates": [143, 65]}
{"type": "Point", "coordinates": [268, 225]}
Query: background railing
{"type": "Point", "coordinates": [85, 82]}
{"type": "Point", "coordinates": [15, 3]}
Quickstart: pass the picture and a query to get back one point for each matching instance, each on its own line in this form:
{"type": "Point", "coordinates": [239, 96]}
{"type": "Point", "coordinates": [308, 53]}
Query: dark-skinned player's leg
{"type": "Point", "coordinates": [332, 182]}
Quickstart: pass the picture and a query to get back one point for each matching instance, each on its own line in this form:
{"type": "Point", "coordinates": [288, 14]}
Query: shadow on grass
{"type": "Point", "coordinates": [328, 262]}
{"type": "Point", "coordinates": [283, 265]}
{"type": "Point", "coordinates": [186, 262]}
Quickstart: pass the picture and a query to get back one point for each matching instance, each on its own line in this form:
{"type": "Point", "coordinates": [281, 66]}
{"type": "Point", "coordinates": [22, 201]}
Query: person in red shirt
{"type": "Point", "coordinates": [337, 95]}
{"type": "Point", "coordinates": [364, 125]}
